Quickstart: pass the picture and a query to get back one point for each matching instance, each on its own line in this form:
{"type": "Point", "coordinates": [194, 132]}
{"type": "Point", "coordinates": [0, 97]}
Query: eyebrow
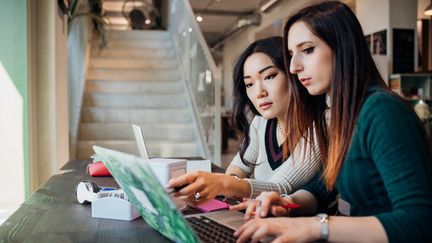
{"type": "Point", "coordinates": [260, 71]}
{"type": "Point", "coordinates": [302, 43]}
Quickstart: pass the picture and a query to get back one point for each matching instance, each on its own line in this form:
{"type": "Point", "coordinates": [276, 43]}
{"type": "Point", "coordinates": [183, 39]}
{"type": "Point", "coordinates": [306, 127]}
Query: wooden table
{"type": "Point", "coordinates": [52, 214]}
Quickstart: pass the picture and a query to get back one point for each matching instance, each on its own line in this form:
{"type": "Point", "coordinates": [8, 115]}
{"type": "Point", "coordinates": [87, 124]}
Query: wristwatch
{"type": "Point", "coordinates": [323, 219]}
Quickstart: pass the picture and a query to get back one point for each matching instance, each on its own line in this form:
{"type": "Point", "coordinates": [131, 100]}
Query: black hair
{"type": "Point", "coordinates": [242, 106]}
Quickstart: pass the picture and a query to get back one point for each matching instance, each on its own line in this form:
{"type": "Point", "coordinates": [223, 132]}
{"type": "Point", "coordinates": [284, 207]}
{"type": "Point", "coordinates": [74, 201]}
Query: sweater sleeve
{"type": "Point", "coordinates": [318, 189]}
{"type": "Point", "coordinates": [251, 153]}
{"type": "Point", "coordinates": [298, 170]}
{"type": "Point", "coordinates": [395, 141]}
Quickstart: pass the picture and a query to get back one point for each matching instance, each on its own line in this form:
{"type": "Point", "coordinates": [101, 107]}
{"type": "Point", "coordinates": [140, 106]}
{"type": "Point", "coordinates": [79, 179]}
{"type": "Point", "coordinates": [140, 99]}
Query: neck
{"type": "Point", "coordinates": [281, 122]}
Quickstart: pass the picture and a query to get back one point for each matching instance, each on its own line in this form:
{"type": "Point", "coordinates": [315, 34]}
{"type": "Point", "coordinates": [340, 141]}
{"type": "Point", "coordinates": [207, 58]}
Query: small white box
{"type": "Point", "coordinates": [166, 169]}
{"type": "Point", "coordinates": [114, 208]}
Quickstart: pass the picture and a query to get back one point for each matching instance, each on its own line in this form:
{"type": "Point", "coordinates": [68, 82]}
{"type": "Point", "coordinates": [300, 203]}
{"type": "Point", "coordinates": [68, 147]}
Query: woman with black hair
{"type": "Point", "coordinates": [260, 92]}
{"type": "Point", "coordinates": [373, 145]}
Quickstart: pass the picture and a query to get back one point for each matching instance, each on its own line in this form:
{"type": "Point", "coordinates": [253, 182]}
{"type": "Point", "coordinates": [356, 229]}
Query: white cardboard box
{"type": "Point", "coordinates": [166, 169]}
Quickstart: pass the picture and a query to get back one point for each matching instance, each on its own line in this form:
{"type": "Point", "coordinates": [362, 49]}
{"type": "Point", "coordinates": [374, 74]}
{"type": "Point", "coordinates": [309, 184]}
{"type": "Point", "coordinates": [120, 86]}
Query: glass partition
{"type": "Point", "coordinates": [202, 77]}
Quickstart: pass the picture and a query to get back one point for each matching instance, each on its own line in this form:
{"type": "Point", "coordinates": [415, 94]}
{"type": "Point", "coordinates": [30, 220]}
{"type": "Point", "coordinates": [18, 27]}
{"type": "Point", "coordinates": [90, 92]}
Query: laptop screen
{"type": "Point", "coordinates": [147, 194]}
{"type": "Point", "coordinates": [139, 137]}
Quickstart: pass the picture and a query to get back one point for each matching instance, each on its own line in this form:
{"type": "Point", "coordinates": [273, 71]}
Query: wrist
{"type": "Point", "coordinates": [323, 221]}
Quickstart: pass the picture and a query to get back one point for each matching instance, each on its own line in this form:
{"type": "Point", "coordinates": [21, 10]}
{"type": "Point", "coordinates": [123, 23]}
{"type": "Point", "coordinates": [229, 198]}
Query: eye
{"type": "Point", "coordinates": [272, 76]}
{"type": "Point", "coordinates": [309, 50]}
{"type": "Point", "coordinates": [248, 85]}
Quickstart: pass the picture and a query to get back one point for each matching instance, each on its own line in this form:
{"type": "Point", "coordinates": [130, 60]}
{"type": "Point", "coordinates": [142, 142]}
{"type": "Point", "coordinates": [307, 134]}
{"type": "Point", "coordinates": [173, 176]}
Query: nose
{"type": "Point", "coordinates": [295, 65]}
{"type": "Point", "coordinates": [262, 92]}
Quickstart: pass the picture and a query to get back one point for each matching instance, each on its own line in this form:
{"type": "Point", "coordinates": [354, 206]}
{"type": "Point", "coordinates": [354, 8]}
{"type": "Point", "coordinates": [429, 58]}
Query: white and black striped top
{"type": "Point", "coordinates": [270, 173]}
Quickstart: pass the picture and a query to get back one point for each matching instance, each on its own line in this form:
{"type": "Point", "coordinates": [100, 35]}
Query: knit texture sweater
{"type": "Point", "coordinates": [270, 172]}
{"type": "Point", "coordinates": [387, 170]}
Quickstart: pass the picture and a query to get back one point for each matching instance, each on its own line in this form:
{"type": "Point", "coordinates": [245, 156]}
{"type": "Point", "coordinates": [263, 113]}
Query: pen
{"type": "Point", "coordinates": [290, 206]}
{"type": "Point", "coordinates": [286, 206]}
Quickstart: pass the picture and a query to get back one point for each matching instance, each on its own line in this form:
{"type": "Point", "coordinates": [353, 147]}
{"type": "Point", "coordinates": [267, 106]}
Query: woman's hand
{"type": "Point", "coordinates": [201, 186]}
{"type": "Point", "coordinates": [265, 204]}
{"type": "Point", "coordinates": [283, 229]}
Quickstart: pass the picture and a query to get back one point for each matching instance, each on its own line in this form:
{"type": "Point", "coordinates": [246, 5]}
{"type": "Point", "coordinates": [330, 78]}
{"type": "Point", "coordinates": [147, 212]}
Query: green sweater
{"type": "Point", "coordinates": [387, 170]}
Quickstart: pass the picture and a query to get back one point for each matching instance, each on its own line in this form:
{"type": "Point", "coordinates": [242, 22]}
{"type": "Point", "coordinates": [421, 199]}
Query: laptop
{"type": "Point", "coordinates": [139, 137]}
{"type": "Point", "coordinates": [157, 208]}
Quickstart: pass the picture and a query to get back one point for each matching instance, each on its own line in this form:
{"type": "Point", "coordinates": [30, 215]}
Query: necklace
{"type": "Point", "coordinates": [280, 129]}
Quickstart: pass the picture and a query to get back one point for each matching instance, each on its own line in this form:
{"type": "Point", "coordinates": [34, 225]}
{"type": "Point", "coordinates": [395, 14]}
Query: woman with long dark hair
{"type": "Point", "coordinates": [260, 95]}
{"type": "Point", "coordinates": [373, 146]}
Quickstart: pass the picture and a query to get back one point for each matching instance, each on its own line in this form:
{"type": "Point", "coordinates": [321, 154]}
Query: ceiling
{"type": "Point", "coordinates": [220, 16]}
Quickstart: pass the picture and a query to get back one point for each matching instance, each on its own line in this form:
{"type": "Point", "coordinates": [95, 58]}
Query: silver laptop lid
{"type": "Point", "coordinates": [139, 137]}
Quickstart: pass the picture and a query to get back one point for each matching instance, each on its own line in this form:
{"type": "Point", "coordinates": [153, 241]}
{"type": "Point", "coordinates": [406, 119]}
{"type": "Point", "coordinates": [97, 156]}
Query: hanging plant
{"type": "Point", "coordinates": [96, 15]}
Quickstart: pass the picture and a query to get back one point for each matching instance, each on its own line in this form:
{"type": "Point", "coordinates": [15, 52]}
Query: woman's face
{"type": "Point", "coordinates": [266, 86]}
{"type": "Point", "coordinates": [311, 59]}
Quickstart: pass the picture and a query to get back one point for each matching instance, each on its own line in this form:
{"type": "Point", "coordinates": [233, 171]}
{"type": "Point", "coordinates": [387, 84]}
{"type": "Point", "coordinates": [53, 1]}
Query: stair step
{"type": "Point", "coordinates": [123, 131]}
{"type": "Point", "coordinates": [135, 44]}
{"type": "Point", "coordinates": [133, 53]}
{"type": "Point", "coordinates": [155, 148]}
{"type": "Point", "coordinates": [133, 74]}
{"type": "Point", "coordinates": [110, 115]}
{"type": "Point", "coordinates": [131, 63]}
{"type": "Point", "coordinates": [134, 101]}
{"type": "Point", "coordinates": [134, 87]}
{"type": "Point", "coordinates": [138, 35]}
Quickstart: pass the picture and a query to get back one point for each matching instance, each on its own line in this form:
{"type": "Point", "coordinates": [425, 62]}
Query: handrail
{"type": "Point", "coordinates": [78, 42]}
{"type": "Point", "coordinates": [200, 73]}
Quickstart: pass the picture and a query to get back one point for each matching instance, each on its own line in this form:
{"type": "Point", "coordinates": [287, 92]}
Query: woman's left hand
{"type": "Point", "coordinates": [284, 229]}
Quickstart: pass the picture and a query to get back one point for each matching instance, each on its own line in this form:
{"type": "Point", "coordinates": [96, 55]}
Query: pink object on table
{"type": "Point", "coordinates": [212, 205]}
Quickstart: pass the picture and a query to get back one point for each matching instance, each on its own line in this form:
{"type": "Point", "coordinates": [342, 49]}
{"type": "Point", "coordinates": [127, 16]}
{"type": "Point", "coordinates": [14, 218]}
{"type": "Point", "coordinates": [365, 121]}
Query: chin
{"type": "Point", "coordinates": [267, 116]}
{"type": "Point", "coordinates": [315, 91]}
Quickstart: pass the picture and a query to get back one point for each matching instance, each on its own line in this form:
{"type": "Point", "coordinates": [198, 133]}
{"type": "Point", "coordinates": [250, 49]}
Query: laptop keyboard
{"type": "Point", "coordinates": [210, 231]}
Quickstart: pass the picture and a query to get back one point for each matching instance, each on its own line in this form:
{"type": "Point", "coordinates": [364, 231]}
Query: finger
{"type": "Point", "coordinates": [279, 211]}
{"type": "Point", "coordinates": [248, 231]}
{"type": "Point", "coordinates": [240, 206]}
{"type": "Point", "coordinates": [242, 227]}
{"type": "Point", "coordinates": [260, 233]}
{"type": "Point", "coordinates": [267, 201]}
{"type": "Point", "coordinates": [182, 180]}
{"type": "Point", "coordinates": [283, 238]}
{"type": "Point", "coordinates": [250, 210]}
{"type": "Point", "coordinates": [258, 210]}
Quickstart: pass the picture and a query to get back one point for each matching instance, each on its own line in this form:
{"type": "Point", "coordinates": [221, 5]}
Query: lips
{"type": "Point", "coordinates": [305, 81]}
{"type": "Point", "coordinates": [265, 105]}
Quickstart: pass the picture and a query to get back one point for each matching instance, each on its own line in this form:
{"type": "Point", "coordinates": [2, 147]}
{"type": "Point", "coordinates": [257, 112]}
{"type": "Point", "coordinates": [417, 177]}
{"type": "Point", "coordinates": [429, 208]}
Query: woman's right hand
{"type": "Point", "coordinates": [267, 203]}
{"type": "Point", "coordinates": [205, 184]}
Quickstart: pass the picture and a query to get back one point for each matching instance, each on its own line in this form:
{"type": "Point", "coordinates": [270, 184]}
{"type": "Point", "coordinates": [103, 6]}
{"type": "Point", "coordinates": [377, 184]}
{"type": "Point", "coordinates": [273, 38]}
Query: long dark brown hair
{"type": "Point", "coordinates": [242, 106]}
{"type": "Point", "coordinates": [353, 71]}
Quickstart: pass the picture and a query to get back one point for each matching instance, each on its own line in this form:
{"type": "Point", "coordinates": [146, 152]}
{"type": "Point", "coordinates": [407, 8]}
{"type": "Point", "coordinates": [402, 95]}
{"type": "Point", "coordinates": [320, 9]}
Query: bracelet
{"type": "Point", "coordinates": [287, 196]}
{"type": "Point", "coordinates": [236, 176]}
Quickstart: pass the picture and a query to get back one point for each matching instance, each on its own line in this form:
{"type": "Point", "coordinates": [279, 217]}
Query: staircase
{"type": "Point", "coordinates": [136, 79]}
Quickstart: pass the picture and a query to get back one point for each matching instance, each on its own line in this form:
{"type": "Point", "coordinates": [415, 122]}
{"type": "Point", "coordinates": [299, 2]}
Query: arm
{"type": "Point", "coordinates": [395, 141]}
{"type": "Point", "coordinates": [210, 185]}
{"type": "Point", "coordinates": [308, 229]}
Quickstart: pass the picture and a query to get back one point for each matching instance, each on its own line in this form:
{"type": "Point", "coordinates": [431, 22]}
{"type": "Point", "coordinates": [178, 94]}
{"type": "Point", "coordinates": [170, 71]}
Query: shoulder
{"type": "Point", "coordinates": [381, 104]}
{"type": "Point", "coordinates": [383, 111]}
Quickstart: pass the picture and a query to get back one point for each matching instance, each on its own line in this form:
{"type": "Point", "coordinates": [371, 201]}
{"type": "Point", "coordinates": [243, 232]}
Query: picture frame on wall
{"type": "Point", "coordinates": [379, 42]}
{"type": "Point", "coordinates": [368, 39]}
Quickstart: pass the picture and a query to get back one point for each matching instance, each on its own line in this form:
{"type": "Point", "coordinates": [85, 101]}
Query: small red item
{"type": "Point", "coordinates": [98, 169]}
